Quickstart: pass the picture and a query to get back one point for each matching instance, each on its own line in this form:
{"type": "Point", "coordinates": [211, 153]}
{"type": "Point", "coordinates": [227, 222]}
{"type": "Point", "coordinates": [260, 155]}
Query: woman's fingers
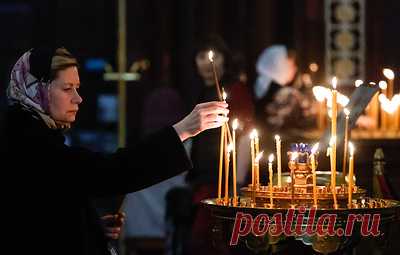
{"type": "Point", "coordinates": [215, 118]}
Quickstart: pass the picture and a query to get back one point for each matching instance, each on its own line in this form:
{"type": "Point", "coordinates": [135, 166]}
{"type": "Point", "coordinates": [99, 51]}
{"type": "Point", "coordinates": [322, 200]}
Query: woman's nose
{"type": "Point", "coordinates": [76, 99]}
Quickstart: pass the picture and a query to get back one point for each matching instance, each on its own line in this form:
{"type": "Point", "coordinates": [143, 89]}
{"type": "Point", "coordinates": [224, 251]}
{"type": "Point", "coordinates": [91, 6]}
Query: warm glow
{"type": "Point", "coordinates": [334, 82]}
{"type": "Point", "coordinates": [294, 156]}
{"type": "Point", "coordinates": [389, 106]}
{"type": "Point", "coordinates": [253, 134]}
{"type": "Point", "coordinates": [314, 148]}
{"type": "Point", "coordinates": [346, 112]}
{"type": "Point", "coordinates": [396, 99]}
{"type": "Point", "coordinates": [277, 138]}
{"type": "Point", "coordinates": [342, 100]}
{"type": "Point", "coordinates": [388, 73]}
{"type": "Point", "coordinates": [224, 95]}
{"type": "Point", "coordinates": [259, 156]}
{"type": "Point", "coordinates": [351, 148]}
{"type": "Point", "coordinates": [230, 147]}
{"type": "Point", "coordinates": [235, 124]}
{"type": "Point", "coordinates": [383, 85]}
{"type": "Point", "coordinates": [332, 141]}
{"type": "Point", "coordinates": [313, 67]}
{"type": "Point", "coordinates": [211, 56]}
{"type": "Point", "coordinates": [271, 158]}
{"type": "Point", "coordinates": [358, 83]}
{"type": "Point", "coordinates": [320, 93]}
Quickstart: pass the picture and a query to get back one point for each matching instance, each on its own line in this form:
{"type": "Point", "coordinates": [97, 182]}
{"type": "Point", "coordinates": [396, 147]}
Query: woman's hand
{"type": "Point", "coordinates": [112, 224]}
{"type": "Point", "coordinates": [204, 116]}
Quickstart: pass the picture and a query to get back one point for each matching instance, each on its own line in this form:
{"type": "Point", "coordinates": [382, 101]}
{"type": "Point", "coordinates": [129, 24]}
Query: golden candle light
{"type": "Point", "coordinates": [257, 166]}
{"type": "Point", "coordinates": [293, 158]}
{"type": "Point", "coordinates": [257, 151]}
{"type": "Point", "coordinates": [279, 159]}
{"type": "Point", "coordinates": [314, 173]}
{"type": "Point", "coordinates": [334, 107]}
{"type": "Point", "coordinates": [211, 58]}
{"type": "Point", "coordinates": [389, 74]}
{"type": "Point", "coordinates": [396, 101]}
{"type": "Point", "coordinates": [235, 125]}
{"type": "Point", "coordinates": [221, 157]}
{"type": "Point", "coordinates": [342, 100]}
{"type": "Point", "coordinates": [358, 83]}
{"type": "Point", "coordinates": [384, 117]}
{"type": "Point", "coordinates": [270, 161]}
{"type": "Point", "coordinates": [228, 152]}
{"type": "Point", "coordinates": [332, 154]}
{"type": "Point", "coordinates": [333, 130]}
{"type": "Point", "coordinates": [224, 95]}
{"type": "Point", "coordinates": [252, 135]}
{"type": "Point", "coordinates": [320, 95]}
{"type": "Point", "coordinates": [351, 173]}
{"type": "Point", "coordinates": [346, 139]}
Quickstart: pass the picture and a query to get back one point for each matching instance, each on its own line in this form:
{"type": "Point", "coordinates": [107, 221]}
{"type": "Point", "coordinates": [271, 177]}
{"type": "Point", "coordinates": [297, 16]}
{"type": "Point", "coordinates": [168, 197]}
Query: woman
{"type": "Point", "coordinates": [276, 101]}
{"type": "Point", "coordinates": [61, 181]}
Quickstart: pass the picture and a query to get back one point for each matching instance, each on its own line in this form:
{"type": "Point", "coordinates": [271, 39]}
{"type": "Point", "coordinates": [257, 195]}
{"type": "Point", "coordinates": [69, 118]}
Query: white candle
{"type": "Point", "coordinates": [270, 161]}
{"type": "Point", "coordinates": [279, 159]}
{"type": "Point", "coordinates": [346, 138]}
{"type": "Point", "coordinates": [235, 125]}
{"type": "Point", "coordinates": [351, 173]}
{"type": "Point", "coordinates": [314, 173]}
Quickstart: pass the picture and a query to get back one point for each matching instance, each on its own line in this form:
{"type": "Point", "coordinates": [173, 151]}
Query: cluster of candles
{"type": "Point", "coordinates": [384, 108]}
{"type": "Point", "coordinates": [228, 149]}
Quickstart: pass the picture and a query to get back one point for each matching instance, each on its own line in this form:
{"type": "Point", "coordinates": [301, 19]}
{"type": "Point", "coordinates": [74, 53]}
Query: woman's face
{"type": "Point", "coordinates": [63, 95]}
{"type": "Point", "coordinates": [204, 67]}
{"type": "Point", "coordinates": [292, 70]}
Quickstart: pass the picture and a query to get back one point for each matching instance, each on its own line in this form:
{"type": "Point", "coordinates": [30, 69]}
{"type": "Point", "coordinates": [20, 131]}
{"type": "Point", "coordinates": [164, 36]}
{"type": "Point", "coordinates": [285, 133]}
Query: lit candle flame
{"type": "Point", "coordinates": [230, 148]}
{"type": "Point", "coordinates": [351, 148]}
{"type": "Point", "coordinates": [342, 100]}
{"type": "Point", "coordinates": [235, 124]}
{"type": "Point", "coordinates": [314, 148]}
{"type": "Point", "coordinates": [358, 83]}
{"type": "Point", "coordinates": [388, 73]}
{"type": "Point", "coordinates": [259, 156]}
{"type": "Point", "coordinates": [389, 106]}
{"type": "Point", "coordinates": [346, 112]}
{"type": "Point", "coordinates": [383, 85]}
{"type": "Point", "coordinates": [396, 99]}
{"type": "Point", "coordinates": [319, 93]}
{"type": "Point", "coordinates": [224, 96]}
{"type": "Point", "coordinates": [211, 56]}
{"type": "Point", "coordinates": [277, 138]}
{"type": "Point", "coordinates": [332, 141]}
{"type": "Point", "coordinates": [334, 82]}
{"type": "Point", "coordinates": [271, 158]}
{"type": "Point", "coordinates": [253, 134]}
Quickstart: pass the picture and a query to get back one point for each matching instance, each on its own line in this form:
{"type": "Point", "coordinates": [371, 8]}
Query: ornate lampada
{"type": "Point", "coordinates": [296, 192]}
{"type": "Point", "coordinates": [299, 190]}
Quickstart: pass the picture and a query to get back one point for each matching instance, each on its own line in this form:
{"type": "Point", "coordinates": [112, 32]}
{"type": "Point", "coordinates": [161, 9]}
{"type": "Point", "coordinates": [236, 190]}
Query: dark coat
{"type": "Point", "coordinates": [52, 186]}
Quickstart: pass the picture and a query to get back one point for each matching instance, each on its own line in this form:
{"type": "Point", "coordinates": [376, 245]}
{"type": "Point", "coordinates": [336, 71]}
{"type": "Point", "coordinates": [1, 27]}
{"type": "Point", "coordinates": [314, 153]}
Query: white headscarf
{"type": "Point", "coordinates": [30, 92]}
{"type": "Point", "coordinates": [271, 66]}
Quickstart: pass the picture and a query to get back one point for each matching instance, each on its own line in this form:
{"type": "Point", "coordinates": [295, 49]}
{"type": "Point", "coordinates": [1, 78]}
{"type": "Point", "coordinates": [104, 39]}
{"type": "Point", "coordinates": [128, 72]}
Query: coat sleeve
{"type": "Point", "coordinates": [156, 158]}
